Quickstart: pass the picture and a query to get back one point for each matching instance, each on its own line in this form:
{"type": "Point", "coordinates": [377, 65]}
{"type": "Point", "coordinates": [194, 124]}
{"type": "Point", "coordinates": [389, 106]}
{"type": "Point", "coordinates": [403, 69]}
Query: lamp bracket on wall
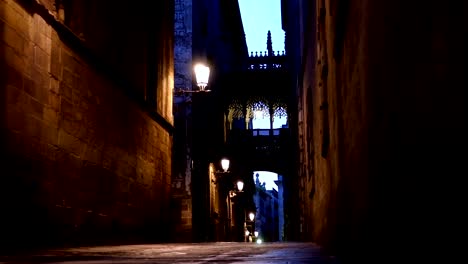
{"type": "Point", "coordinates": [202, 74]}
{"type": "Point", "coordinates": [180, 92]}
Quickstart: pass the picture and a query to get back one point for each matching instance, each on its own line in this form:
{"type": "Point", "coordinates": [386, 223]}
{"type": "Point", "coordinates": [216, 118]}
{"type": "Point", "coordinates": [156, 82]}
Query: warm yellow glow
{"type": "Point", "coordinates": [247, 233]}
{"type": "Point", "coordinates": [225, 164]}
{"type": "Point", "coordinates": [202, 74]}
{"type": "Point", "coordinates": [240, 186]}
{"type": "Point", "coordinates": [251, 216]}
{"type": "Point", "coordinates": [232, 194]}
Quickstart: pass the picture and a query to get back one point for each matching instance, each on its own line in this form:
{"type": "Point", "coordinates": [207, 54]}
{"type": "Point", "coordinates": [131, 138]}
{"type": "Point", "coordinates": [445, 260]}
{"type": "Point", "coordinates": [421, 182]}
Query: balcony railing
{"type": "Point", "coordinates": [265, 61]}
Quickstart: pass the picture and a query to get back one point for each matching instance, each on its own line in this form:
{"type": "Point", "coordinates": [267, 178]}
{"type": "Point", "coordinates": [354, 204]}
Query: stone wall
{"type": "Point", "coordinates": [388, 105]}
{"type": "Point", "coordinates": [86, 154]}
{"type": "Point", "coordinates": [182, 159]}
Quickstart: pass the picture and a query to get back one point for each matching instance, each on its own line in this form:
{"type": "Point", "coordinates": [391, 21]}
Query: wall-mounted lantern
{"type": "Point", "coordinates": [202, 76]}
{"type": "Point", "coordinates": [251, 216]}
{"type": "Point", "coordinates": [225, 169]}
{"type": "Point", "coordinates": [225, 164]}
{"type": "Point", "coordinates": [240, 186]}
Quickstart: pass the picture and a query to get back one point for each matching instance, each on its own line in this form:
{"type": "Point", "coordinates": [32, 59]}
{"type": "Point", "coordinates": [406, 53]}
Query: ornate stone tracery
{"type": "Point", "coordinates": [246, 108]}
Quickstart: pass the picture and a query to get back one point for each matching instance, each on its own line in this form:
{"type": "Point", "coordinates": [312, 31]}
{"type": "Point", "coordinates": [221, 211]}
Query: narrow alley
{"type": "Point", "coordinates": [135, 123]}
{"type": "Point", "coordinates": [221, 252]}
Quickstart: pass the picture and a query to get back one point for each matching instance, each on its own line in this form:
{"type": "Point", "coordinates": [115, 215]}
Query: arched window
{"type": "Point", "coordinates": [260, 112]}
{"type": "Point", "coordinates": [261, 120]}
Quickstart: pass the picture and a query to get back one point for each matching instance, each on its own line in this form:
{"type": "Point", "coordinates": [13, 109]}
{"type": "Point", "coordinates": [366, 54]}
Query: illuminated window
{"type": "Point", "coordinates": [261, 120]}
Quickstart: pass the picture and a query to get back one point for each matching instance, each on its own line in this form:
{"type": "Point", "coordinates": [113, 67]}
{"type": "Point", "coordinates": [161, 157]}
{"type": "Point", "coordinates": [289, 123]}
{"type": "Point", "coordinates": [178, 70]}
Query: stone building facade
{"type": "Point", "coordinates": [381, 109]}
{"type": "Point", "coordinates": [86, 121]}
{"type": "Point", "coordinates": [181, 206]}
{"type": "Point", "coordinates": [269, 217]}
{"type": "Point", "coordinates": [211, 32]}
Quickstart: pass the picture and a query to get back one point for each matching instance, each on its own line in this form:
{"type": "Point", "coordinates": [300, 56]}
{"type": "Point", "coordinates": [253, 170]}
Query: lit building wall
{"type": "Point", "coordinates": [86, 121]}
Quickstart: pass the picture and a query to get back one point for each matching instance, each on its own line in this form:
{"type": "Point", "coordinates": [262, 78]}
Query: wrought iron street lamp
{"type": "Point", "coordinates": [240, 186]}
{"type": "Point", "coordinates": [250, 224]}
{"type": "Point", "coordinates": [202, 76]}
{"type": "Point", "coordinates": [225, 167]}
{"type": "Point", "coordinates": [225, 164]}
{"type": "Point", "coordinates": [224, 176]}
{"type": "Point", "coordinates": [251, 216]}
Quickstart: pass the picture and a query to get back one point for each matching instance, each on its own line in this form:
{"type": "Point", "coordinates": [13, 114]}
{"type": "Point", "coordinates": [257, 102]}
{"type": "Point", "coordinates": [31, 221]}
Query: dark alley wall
{"type": "Point", "coordinates": [383, 98]}
{"type": "Point", "coordinates": [86, 121]}
{"type": "Point", "coordinates": [219, 41]}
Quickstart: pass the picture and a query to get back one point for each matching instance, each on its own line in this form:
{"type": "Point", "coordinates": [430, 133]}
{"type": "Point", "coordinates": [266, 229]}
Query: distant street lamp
{"type": "Point", "coordinates": [251, 216]}
{"type": "Point", "coordinates": [232, 192]}
{"type": "Point", "coordinates": [257, 239]}
{"type": "Point", "coordinates": [250, 224]}
{"type": "Point", "coordinates": [220, 173]}
{"type": "Point", "coordinates": [240, 186]}
{"type": "Point", "coordinates": [225, 164]}
{"type": "Point", "coordinates": [224, 177]}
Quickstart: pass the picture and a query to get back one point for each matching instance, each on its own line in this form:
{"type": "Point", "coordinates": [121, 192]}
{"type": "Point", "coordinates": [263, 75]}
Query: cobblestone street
{"type": "Point", "coordinates": [221, 252]}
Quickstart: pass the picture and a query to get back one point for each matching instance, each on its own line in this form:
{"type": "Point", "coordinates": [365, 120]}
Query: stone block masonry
{"type": "Point", "coordinates": [82, 162]}
{"type": "Point", "coordinates": [182, 180]}
{"type": "Point", "coordinates": [388, 98]}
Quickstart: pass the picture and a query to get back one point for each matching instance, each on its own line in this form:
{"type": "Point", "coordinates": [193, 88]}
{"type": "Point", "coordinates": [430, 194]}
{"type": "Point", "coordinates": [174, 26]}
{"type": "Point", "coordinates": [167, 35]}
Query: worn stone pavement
{"type": "Point", "coordinates": [219, 252]}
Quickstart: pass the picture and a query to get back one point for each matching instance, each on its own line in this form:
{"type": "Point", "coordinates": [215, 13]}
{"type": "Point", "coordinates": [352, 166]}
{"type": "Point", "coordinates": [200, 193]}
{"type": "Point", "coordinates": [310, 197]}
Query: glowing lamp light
{"type": "Point", "coordinates": [202, 74]}
{"type": "Point", "coordinates": [256, 233]}
{"type": "Point", "coordinates": [225, 164]}
{"type": "Point", "coordinates": [240, 186]}
{"type": "Point", "coordinates": [251, 216]}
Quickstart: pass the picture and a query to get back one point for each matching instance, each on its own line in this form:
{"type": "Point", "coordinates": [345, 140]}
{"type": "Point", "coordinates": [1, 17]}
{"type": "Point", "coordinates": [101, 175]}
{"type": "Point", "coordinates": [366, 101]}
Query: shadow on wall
{"type": "Point", "coordinates": [50, 192]}
{"type": "Point", "coordinates": [21, 221]}
{"type": "Point", "coordinates": [2, 82]}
